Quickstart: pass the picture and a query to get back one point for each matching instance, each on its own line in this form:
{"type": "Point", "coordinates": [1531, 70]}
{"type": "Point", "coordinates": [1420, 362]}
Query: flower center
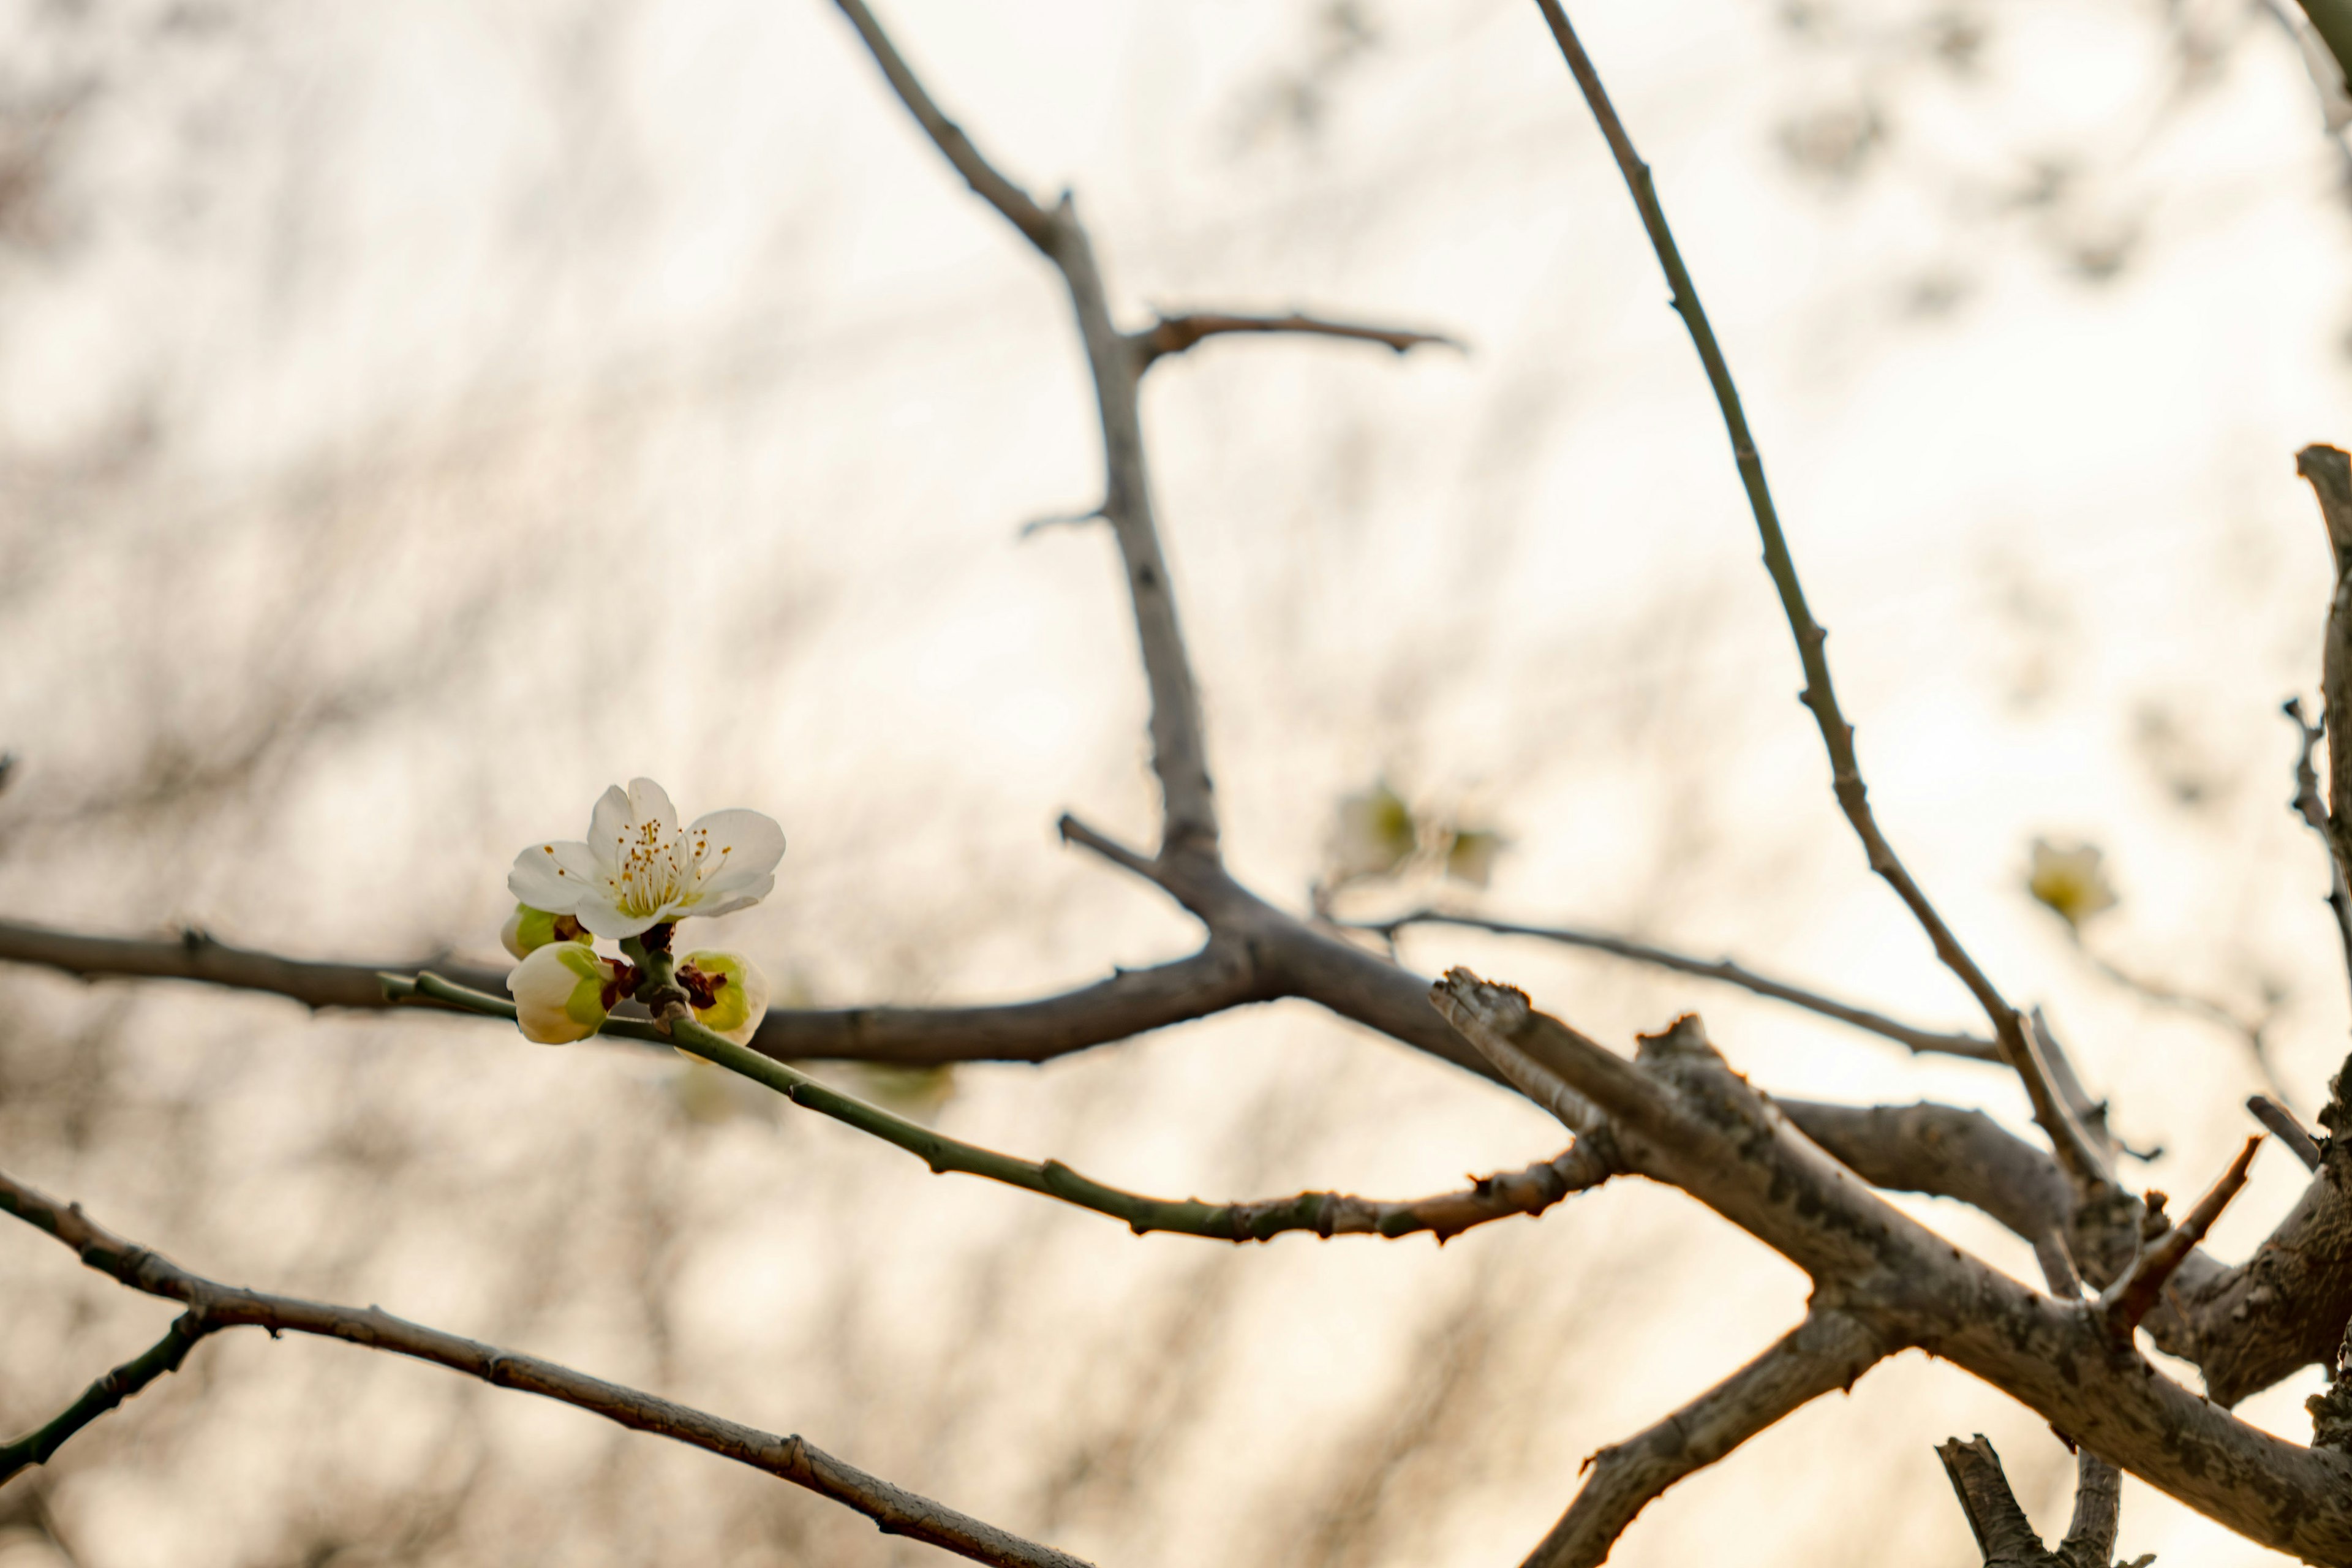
{"type": "Point", "coordinates": [653, 872]}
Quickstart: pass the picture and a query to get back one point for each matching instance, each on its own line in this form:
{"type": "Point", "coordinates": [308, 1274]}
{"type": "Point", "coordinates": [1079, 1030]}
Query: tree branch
{"type": "Point", "coordinates": [1221, 975]}
{"type": "Point", "coordinates": [2306, 805]}
{"type": "Point", "coordinates": [2329, 471]}
{"type": "Point", "coordinates": [1527, 1191]}
{"type": "Point", "coordinates": [1976, 1047]}
{"type": "Point", "coordinates": [2126, 1301]}
{"type": "Point", "coordinates": [217, 1305]}
{"type": "Point", "coordinates": [158, 1359]}
{"type": "Point", "coordinates": [1179, 753]}
{"type": "Point", "coordinates": [1819, 695]}
{"type": "Point", "coordinates": [1680, 1115]}
{"type": "Point", "coordinates": [1827, 1351]}
{"type": "Point", "coordinates": [2281, 1124]}
{"type": "Point", "coordinates": [2005, 1537]}
{"type": "Point", "coordinates": [1174, 334]}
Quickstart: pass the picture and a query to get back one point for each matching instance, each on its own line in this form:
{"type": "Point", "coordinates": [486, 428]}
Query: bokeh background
{"type": "Point", "coordinates": [415, 418]}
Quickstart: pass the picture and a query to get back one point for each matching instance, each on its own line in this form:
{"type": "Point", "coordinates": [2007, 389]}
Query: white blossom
{"type": "Point", "coordinates": [562, 993]}
{"type": "Point", "coordinates": [637, 869]}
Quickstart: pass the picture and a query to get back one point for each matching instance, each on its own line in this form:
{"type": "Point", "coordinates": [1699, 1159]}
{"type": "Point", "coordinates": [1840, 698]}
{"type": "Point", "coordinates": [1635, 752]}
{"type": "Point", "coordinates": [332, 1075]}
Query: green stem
{"type": "Point", "coordinates": [1325, 1214]}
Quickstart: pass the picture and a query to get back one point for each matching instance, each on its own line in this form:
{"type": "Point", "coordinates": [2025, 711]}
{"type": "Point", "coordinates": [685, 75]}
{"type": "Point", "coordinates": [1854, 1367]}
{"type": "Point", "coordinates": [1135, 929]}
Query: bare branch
{"type": "Point", "coordinates": [1179, 752]}
{"type": "Point", "coordinates": [1222, 974]}
{"type": "Point", "coordinates": [1019, 207]}
{"type": "Point", "coordinates": [1174, 334]}
{"type": "Point", "coordinates": [214, 1306]}
{"type": "Point", "coordinates": [2329, 471]}
{"type": "Point", "coordinates": [159, 1360]}
{"type": "Point", "coordinates": [2126, 1301]}
{"type": "Point", "coordinates": [2282, 1123]}
{"type": "Point", "coordinates": [2005, 1538]}
{"type": "Point", "coordinates": [1826, 1352]}
{"type": "Point", "coordinates": [1819, 695]}
{"type": "Point", "coordinates": [1681, 1115]}
{"type": "Point", "coordinates": [2306, 805]}
{"type": "Point", "coordinates": [1974, 1047]}
{"type": "Point", "coordinates": [1946, 1151]}
{"type": "Point", "coordinates": [1527, 1191]}
{"type": "Point", "coordinates": [2248, 1031]}
{"type": "Point", "coordinates": [2090, 1534]}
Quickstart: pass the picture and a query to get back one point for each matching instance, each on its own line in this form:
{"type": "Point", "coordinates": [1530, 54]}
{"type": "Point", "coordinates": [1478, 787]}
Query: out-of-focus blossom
{"type": "Point", "coordinates": [1471, 854]}
{"type": "Point", "coordinates": [2070, 882]}
{"type": "Point", "coordinates": [638, 869]}
{"type": "Point", "coordinates": [1374, 835]}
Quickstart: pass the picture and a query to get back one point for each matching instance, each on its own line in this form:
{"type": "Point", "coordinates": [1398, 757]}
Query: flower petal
{"type": "Point", "coordinates": [555, 876]}
{"type": "Point", "coordinates": [603, 917]}
{"type": "Point", "coordinates": [711, 909]}
{"type": "Point", "coordinates": [609, 826]}
{"type": "Point", "coordinates": [735, 852]}
{"type": "Point", "coordinates": [649, 803]}
{"type": "Point", "coordinates": [558, 993]}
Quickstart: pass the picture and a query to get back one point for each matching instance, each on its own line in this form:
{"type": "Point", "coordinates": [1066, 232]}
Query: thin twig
{"type": "Point", "coordinates": [2283, 1125]}
{"type": "Point", "coordinates": [1976, 1047]}
{"type": "Point", "coordinates": [217, 1306]}
{"type": "Point", "coordinates": [2329, 471]}
{"type": "Point", "coordinates": [2249, 1032]}
{"type": "Point", "coordinates": [2306, 805]}
{"type": "Point", "coordinates": [1446, 1215]}
{"type": "Point", "coordinates": [1819, 695]}
{"type": "Point", "coordinates": [160, 1359]}
{"type": "Point", "coordinates": [1179, 752]}
{"type": "Point", "coordinates": [2127, 1301]}
{"type": "Point", "coordinates": [1174, 334]}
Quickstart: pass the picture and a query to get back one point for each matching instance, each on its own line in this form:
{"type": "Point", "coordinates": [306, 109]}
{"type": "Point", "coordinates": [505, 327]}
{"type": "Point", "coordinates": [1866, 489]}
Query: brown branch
{"type": "Point", "coordinates": [1974, 1047]}
{"type": "Point", "coordinates": [1174, 334]}
{"type": "Point", "coordinates": [2005, 1538]}
{"type": "Point", "coordinates": [2126, 1301]}
{"type": "Point", "coordinates": [1945, 1151]}
{"type": "Point", "coordinates": [1820, 695]}
{"type": "Point", "coordinates": [159, 1360]}
{"type": "Point", "coordinates": [1221, 975]}
{"type": "Point", "coordinates": [1826, 1352]}
{"type": "Point", "coordinates": [1528, 1192]}
{"type": "Point", "coordinates": [1681, 1115]}
{"type": "Point", "coordinates": [894, 1511]}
